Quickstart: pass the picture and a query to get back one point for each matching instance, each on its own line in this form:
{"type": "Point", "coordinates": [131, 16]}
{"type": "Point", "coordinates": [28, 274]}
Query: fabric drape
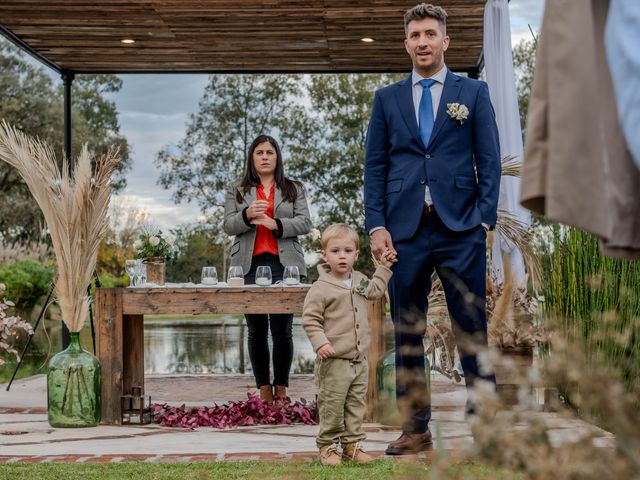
{"type": "Point", "coordinates": [501, 79]}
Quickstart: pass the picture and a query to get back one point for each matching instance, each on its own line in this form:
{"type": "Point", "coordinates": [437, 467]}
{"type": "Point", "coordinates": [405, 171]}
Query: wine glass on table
{"type": "Point", "coordinates": [291, 275]}
{"type": "Point", "coordinates": [263, 276]}
{"type": "Point", "coordinates": [209, 276]}
{"type": "Point", "coordinates": [141, 273]}
{"type": "Point", "coordinates": [130, 268]}
{"type": "Point", "coordinates": [235, 277]}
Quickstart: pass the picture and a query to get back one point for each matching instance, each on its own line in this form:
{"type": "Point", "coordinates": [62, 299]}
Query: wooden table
{"type": "Point", "coordinates": [120, 319]}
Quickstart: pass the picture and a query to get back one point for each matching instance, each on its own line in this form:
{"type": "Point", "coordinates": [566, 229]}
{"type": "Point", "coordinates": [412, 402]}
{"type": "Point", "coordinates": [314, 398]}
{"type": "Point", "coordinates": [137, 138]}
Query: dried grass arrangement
{"type": "Point", "coordinates": [510, 166]}
{"type": "Point", "coordinates": [515, 232]}
{"type": "Point", "coordinates": [74, 207]}
{"type": "Point", "coordinates": [440, 341]}
{"type": "Point", "coordinates": [510, 314]}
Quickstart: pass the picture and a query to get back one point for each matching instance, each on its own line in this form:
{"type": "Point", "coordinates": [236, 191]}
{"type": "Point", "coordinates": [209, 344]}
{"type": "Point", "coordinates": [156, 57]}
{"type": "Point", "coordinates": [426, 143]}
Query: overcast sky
{"type": "Point", "coordinates": [154, 109]}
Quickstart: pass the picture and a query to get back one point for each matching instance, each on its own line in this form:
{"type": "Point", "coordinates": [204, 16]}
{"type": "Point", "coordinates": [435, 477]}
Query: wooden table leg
{"type": "Point", "coordinates": [133, 352]}
{"type": "Point", "coordinates": [376, 350]}
{"type": "Point", "coordinates": [109, 346]}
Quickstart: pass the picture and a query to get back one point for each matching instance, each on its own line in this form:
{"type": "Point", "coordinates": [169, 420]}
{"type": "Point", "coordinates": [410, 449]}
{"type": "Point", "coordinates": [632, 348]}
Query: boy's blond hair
{"type": "Point", "coordinates": [339, 230]}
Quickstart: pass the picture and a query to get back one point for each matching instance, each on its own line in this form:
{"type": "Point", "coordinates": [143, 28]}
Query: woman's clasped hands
{"type": "Point", "coordinates": [256, 213]}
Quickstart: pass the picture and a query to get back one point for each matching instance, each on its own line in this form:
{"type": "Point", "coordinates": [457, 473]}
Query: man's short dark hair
{"type": "Point", "coordinates": [425, 10]}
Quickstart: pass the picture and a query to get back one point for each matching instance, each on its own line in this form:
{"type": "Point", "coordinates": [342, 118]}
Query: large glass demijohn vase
{"type": "Point", "coordinates": [73, 387]}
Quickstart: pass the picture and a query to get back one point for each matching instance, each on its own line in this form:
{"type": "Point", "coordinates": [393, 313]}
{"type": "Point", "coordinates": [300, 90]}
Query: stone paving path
{"type": "Point", "coordinates": [26, 436]}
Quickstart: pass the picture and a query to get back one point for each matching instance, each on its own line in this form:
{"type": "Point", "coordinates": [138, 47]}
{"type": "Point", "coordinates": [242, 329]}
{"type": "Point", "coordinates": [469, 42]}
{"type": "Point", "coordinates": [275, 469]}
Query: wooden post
{"type": "Point", "coordinates": [133, 352]}
{"type": "Point", "coordinates": [376, 323]}
{"type": "Point", "coordinates": [109, 320]}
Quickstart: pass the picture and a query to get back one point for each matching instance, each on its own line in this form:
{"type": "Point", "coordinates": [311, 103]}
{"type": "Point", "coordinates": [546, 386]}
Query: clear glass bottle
{"type": "Point", "coordinates": [73, 387]}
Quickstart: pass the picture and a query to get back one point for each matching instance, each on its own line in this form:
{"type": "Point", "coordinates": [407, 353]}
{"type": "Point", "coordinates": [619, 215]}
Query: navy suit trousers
{"type": "Point", "coordinates": [459, 259]}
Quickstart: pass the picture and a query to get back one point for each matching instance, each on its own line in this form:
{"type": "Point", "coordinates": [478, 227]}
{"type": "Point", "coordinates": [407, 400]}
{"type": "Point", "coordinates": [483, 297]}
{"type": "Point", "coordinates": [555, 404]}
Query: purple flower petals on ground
{"type": "Point", "coordinates": [252, 411]}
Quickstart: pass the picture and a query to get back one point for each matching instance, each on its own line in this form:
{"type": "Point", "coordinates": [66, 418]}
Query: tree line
{"type": "Point", "coordinates": [320, 121]}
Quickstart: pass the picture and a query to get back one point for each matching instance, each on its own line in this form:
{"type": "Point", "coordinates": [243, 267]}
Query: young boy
{"type": "Point", "coordinates": [335, 320]}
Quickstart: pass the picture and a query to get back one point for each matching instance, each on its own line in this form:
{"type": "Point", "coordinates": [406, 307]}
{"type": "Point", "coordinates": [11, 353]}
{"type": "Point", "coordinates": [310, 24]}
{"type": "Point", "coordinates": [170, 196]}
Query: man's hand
{"type": "Point", "coordinates": [381, 244]}
{"type": "Point", "coordinates": [326, 351]}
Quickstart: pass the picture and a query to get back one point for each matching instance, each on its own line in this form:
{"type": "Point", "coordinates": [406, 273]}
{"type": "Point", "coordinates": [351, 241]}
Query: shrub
{"type": "Point", "coordinates": [26, 283]}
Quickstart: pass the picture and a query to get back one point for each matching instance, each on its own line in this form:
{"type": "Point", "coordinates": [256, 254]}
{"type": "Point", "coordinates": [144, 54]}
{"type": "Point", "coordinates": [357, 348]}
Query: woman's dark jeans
{"type": "Point", "coordinates": [281, 332]}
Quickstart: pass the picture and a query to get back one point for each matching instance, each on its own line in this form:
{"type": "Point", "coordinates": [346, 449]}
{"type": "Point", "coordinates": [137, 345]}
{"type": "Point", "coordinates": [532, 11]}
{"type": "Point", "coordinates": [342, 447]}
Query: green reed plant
{"type": "Point", "coordinates": [595, 299]}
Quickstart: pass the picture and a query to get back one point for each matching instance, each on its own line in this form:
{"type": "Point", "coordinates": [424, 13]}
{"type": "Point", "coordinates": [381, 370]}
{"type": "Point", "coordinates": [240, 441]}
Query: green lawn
{"type": "Point", "coordinates": [381, 469]}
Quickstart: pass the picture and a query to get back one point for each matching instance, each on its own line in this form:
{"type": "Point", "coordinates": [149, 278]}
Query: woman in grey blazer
{"type": "Point", "coordinates": [266, 212]}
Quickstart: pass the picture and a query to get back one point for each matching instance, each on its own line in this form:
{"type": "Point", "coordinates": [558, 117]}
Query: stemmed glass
{"type": "Point", "coordinates": [235, 277]}
{"type": "Point", "coordinates": [130, 268]}
{"type": "Point", "coordinates": [263, 276]}
{"type": "Point", "coordinates": [291, 275]}
{"type": "Point", "coordinates": [141, 272]}
{"type": "Point", "coordinates": [209, 276]}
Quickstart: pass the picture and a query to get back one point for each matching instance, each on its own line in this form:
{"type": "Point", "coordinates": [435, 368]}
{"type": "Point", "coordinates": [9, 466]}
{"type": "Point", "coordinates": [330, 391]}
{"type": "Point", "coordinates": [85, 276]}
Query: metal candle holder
{"type": "Point", "coordinates": [134, 409]}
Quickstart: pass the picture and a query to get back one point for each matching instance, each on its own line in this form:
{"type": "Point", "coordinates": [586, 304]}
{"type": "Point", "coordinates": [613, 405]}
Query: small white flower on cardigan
{"type": "Point", "coordinates": [458, 111]}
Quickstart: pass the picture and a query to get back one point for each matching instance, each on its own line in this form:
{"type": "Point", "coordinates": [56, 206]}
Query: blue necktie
{"type": "Point", "coordinates": [425, 111]}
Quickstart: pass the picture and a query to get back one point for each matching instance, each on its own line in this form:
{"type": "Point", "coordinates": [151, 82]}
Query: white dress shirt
{"type": "Point", "coordinates": [436, 93]}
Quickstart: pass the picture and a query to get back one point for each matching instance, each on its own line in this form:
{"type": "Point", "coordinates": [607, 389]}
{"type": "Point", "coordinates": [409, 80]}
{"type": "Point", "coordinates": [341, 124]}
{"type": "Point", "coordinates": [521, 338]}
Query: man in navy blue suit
{"type": "Point", "coordinates": [431, 184]}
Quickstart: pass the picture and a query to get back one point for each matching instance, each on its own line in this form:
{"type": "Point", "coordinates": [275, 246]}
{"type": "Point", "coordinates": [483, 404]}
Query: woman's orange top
{"type": "Point", "coordinates": [265, 241]}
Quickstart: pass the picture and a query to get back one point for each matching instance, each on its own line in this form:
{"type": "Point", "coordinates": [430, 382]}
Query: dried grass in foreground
{"type": "Point", "coordinates": [521, 441]}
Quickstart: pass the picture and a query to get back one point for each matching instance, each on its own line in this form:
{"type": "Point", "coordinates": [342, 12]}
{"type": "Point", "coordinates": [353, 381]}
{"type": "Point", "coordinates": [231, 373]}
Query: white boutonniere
{"type": "Point", "coordinates": [362, 287]}
{"type": "Point", "coordinates": [458, 111]}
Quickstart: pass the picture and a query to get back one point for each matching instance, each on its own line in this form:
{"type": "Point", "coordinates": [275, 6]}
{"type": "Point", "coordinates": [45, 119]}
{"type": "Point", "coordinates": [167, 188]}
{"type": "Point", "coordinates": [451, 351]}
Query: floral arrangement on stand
{"type": "Point", "coordinates": [152, 242]}
{"type": "Point", "coordinates": [10, 326]}
{"type": "Point", "coordinates": [153, 246]}
{"type": "Point", "coordinates": [513, 332]}
{"type": "Point", "coordinates": [510, 313]}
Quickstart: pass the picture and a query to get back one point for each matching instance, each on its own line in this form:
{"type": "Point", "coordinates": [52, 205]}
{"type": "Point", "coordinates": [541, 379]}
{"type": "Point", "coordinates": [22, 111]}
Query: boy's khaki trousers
{"type": "Point", "coordinates": [342, 387]}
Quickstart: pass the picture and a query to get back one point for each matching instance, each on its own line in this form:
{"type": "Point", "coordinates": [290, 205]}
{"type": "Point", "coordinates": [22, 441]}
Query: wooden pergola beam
{"type": "Point", "coordinates": [230, 36]}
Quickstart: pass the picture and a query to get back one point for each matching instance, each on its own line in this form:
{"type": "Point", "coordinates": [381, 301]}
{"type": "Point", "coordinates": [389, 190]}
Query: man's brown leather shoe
{"type": "Point", "coordinates": [410, 443]}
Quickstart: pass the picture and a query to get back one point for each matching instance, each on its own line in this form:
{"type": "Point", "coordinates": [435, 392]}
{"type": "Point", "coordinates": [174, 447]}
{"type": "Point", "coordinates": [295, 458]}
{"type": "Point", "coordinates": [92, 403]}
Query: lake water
{"type": "Point", "coordinates": [211, 346]}
{"type": "Point", "coordinates": [176, 346]}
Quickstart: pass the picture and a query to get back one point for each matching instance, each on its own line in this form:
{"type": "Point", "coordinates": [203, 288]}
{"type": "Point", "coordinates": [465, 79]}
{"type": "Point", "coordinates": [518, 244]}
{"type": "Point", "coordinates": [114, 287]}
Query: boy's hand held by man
{"type": "Point", "coordinates": [388, 258]}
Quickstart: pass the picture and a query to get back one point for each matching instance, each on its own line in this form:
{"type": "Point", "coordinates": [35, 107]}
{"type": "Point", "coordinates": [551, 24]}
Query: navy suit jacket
{"type": "Point", "coordinates": [461, 164]}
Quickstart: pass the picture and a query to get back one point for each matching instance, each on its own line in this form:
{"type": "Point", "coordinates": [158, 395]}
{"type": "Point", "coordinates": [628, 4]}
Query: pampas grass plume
{"type": "Point", "coordinates": [74, 207]}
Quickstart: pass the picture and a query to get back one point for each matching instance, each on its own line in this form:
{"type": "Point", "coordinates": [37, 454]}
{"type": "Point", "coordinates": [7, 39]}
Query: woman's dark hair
{"type": "Point", "coordinates": [289, 188]}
